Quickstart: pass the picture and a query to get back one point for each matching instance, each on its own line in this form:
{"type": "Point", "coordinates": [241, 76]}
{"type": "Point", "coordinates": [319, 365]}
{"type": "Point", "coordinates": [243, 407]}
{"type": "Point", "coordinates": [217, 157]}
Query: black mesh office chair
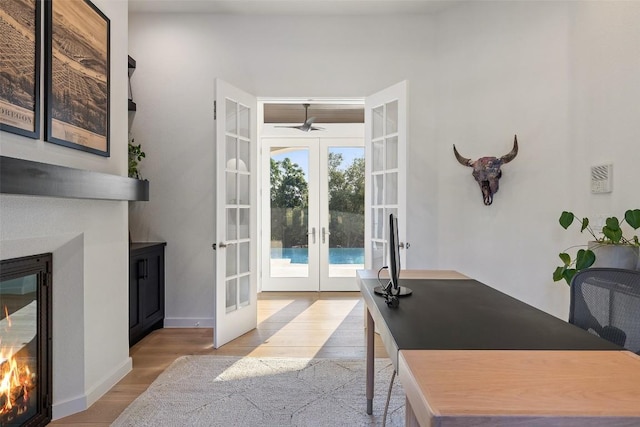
{"type": "Point", "coordinates": [606, 302]}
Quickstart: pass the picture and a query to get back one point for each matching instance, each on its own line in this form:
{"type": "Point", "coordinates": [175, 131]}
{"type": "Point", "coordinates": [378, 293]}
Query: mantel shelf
{"type": "Point", "coordinates": [26, 177]}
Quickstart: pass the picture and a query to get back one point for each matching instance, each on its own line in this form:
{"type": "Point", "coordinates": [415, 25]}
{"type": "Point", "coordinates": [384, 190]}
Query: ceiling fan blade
{"type": "Point", "coordinates": [308, 122]}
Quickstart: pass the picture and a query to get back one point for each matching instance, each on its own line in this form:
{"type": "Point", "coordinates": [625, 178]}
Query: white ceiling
{"type": "Point", "coordinates": [293, 7]}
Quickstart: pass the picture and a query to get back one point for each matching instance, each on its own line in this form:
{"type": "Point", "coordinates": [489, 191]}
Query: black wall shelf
{"type": "Point", "coordinates": [132, 68]}
{"type": "Point", "coordinates": [26, 177]}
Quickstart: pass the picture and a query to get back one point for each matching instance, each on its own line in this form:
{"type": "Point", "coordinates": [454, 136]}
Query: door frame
{"type": "Point", "coordinates": [339, 130]}
{"type": "Point", "coordinates": [270, 130]}
{"type": "Point", "coordinates": [318, 278]}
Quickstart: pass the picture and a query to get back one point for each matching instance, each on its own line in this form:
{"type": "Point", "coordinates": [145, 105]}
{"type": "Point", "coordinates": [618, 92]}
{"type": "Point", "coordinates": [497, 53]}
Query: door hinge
{"type": "Point", "coordinates": [215, 110]}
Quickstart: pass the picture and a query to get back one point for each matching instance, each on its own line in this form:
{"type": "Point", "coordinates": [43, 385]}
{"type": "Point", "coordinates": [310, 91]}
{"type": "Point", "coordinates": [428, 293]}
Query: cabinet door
{"type": "Point", "coordinates": [152, 289]}
{"type": "Point", "coordinates": [136, 271]}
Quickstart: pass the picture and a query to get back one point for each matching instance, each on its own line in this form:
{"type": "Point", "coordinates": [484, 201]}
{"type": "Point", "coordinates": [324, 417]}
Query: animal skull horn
{"type": "Point", "coordinates": [486, 170]}
{"type": "Point", "coordinates": [511, 154]}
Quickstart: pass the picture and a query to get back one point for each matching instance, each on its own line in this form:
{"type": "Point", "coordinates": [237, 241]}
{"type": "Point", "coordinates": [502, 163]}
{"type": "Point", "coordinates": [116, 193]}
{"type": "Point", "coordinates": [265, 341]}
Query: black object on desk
{"type": "Point", "coordinates": [393, 290]}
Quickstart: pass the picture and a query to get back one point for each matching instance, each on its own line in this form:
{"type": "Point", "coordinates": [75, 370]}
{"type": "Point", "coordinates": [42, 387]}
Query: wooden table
{"type": "Point", "coordinates": [450, 312]}
{"type": "Point", "coordinates": [453, 388]}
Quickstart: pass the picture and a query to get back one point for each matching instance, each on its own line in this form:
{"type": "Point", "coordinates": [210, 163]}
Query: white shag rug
{"type": "Point", "coordinates": [265, 391]}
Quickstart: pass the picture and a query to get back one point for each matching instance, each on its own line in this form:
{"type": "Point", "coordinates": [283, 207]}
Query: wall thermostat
{"type": "Point", "coordinates": [601, 178]}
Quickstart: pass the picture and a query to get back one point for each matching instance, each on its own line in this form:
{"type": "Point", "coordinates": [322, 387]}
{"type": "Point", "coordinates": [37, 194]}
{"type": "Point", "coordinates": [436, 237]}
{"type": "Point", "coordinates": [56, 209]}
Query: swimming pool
{"type": "Point", "coordinates": [336, 255]}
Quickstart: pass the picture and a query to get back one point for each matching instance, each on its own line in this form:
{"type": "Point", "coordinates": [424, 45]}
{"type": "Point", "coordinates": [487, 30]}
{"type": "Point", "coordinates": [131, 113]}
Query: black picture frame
{"type": "Point", "coordinates": [77, 55]}
{"type": "Point", "coordinates": [20, 23]}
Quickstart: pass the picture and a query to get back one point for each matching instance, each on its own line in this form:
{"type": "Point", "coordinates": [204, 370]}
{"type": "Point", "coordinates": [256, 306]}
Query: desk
{"type": "Point", "coordinates": [449, 311]}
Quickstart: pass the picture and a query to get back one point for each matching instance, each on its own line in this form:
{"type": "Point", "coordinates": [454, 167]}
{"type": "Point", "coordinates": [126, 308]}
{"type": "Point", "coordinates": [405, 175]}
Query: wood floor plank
{"type": "Point", "coordinates": [290, 324]}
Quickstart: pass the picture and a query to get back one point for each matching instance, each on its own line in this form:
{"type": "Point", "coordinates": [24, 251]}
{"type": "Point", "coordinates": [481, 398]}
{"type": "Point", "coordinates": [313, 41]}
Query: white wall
{"type": "Point", "coordinates": [604, 100]}
{"type": "Point", "coordinates": [178, 57]}
{"type": "Point", "coordinates": [561, 75]}
{"type": "Point", "coordinates": [89, 240]}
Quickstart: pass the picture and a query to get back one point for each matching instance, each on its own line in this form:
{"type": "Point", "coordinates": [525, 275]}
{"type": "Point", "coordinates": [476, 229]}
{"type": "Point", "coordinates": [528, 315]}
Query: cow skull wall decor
{"type": "Point", "coordinates": [486, 170]}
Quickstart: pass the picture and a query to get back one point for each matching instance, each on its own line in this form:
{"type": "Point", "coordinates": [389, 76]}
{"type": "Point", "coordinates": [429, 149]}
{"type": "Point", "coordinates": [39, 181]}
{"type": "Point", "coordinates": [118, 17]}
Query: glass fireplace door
{"type": "Point", "coordinates": [25, 328]}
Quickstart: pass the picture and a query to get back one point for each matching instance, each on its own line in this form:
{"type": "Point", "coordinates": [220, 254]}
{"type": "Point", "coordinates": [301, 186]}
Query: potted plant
{"type": "Point", "coordinates": [612, 238]}
{"type": "Point", "coordinates": [135, 156]}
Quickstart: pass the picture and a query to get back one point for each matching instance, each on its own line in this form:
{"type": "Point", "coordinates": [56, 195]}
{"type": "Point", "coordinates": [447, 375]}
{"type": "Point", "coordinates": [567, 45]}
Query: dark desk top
{"type": "Point", "coordinates": [468, 315]}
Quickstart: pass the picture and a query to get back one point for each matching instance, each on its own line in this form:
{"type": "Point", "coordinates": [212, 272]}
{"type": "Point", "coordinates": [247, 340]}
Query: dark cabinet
{"type": "Point", "coordinates": [146, 289]}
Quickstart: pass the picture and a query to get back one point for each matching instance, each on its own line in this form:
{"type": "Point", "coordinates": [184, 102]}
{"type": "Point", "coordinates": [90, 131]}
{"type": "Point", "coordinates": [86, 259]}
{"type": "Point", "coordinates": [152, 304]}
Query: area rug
{"type": "Point", "coordinates": [249, 391]}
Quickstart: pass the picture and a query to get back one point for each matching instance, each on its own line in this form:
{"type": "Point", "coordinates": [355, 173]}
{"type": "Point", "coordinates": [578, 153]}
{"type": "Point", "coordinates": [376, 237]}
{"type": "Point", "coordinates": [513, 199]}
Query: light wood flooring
{"type": "Point", "coordinates": [290, 324]}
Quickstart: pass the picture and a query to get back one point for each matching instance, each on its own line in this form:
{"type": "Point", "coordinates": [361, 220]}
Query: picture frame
{"type": "Point", "coordinates": [77, 55]}
{"type": "Point", "coordinates": [20, 23]}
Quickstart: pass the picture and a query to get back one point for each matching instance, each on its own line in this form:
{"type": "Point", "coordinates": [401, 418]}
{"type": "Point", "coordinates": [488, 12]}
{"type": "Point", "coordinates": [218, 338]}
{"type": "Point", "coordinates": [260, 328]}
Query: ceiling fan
{"type": "Point", "coordinates": [308, 122]}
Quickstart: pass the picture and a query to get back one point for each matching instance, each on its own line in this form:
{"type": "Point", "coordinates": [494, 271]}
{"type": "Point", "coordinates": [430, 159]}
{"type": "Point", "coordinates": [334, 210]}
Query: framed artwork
{"type": "Point", "coordinates": [20, 67]}
{"type": "Point", "coordinates": [77, 75]}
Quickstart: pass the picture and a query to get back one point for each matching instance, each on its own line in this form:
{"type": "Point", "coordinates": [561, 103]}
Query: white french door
{"type": "Point", "coordinates": [386, 142]}
{"type": "Point", "coordinates": [341, 213]}
{"type": "Point", "coordinates": [313, 213]}
{"type": "Point", "coordinates": [235, 229]}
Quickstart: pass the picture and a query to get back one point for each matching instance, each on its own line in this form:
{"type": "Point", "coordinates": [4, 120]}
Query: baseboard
{"type": "Point", "coordinates": [68, 407]}
{"type": "Point", "coordinates": [188, 322]}
{"type": "Point", "coordinates": [107, 383]}
{"type": "Point", "coordinates": [81, 403]}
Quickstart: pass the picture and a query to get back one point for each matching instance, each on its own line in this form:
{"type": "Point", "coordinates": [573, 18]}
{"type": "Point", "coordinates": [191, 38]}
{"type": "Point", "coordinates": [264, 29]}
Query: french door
{"type": "Point", "coordinates": [313, 213]}
{"type": "Point", "coordinates": [235, 223]}
{"type": "Point", "coordinates": [386, 141]}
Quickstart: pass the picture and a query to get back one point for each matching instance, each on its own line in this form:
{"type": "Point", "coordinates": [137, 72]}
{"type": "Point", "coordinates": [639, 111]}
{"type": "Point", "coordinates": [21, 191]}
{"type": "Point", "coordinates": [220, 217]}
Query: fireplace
{"type": "Point", "coordinates": [25, 341]}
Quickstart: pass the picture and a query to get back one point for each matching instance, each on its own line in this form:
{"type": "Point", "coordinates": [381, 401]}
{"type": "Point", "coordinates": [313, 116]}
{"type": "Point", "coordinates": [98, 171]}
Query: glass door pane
{"type": "Point", "coordinates": [385, 138]}
{"type": "Point", "coordinates": [237, 206]}
{"type": "Point", "coordinates": [289, 201]}
{"type": "Point", "coordinates": [345, 167]}
{"type": "Point", "coordinates": [384, 177]}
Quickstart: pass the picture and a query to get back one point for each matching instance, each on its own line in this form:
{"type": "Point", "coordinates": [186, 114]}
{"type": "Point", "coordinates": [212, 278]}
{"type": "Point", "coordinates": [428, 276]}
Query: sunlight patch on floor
{"type": "Point", "coordinates": [275, 305]}
{"type": "Point", "coordinates": [332, 313]}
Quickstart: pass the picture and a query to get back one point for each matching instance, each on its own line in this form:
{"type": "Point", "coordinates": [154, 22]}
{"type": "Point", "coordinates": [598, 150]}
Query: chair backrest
{"type": "Point", "coordinates": [606, 302]}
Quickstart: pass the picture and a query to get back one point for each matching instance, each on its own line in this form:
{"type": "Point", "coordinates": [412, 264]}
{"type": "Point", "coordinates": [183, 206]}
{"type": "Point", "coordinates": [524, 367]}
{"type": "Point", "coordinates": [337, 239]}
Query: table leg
{"type": "Point", "coordinates": [370, 361]}
{"type": "Point", "coordinates": [410, 419]}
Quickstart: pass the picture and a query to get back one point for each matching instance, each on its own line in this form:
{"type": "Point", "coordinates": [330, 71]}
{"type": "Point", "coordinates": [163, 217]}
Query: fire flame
{"type": "Point", "coordinates": [16, 380]}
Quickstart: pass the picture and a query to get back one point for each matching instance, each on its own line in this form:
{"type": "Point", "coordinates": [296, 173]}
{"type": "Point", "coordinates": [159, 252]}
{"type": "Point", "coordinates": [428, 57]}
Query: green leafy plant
{"type": "Point", "coordinates": [135, 156]}
{"type": "Point", "coordinates": [612, 234]}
